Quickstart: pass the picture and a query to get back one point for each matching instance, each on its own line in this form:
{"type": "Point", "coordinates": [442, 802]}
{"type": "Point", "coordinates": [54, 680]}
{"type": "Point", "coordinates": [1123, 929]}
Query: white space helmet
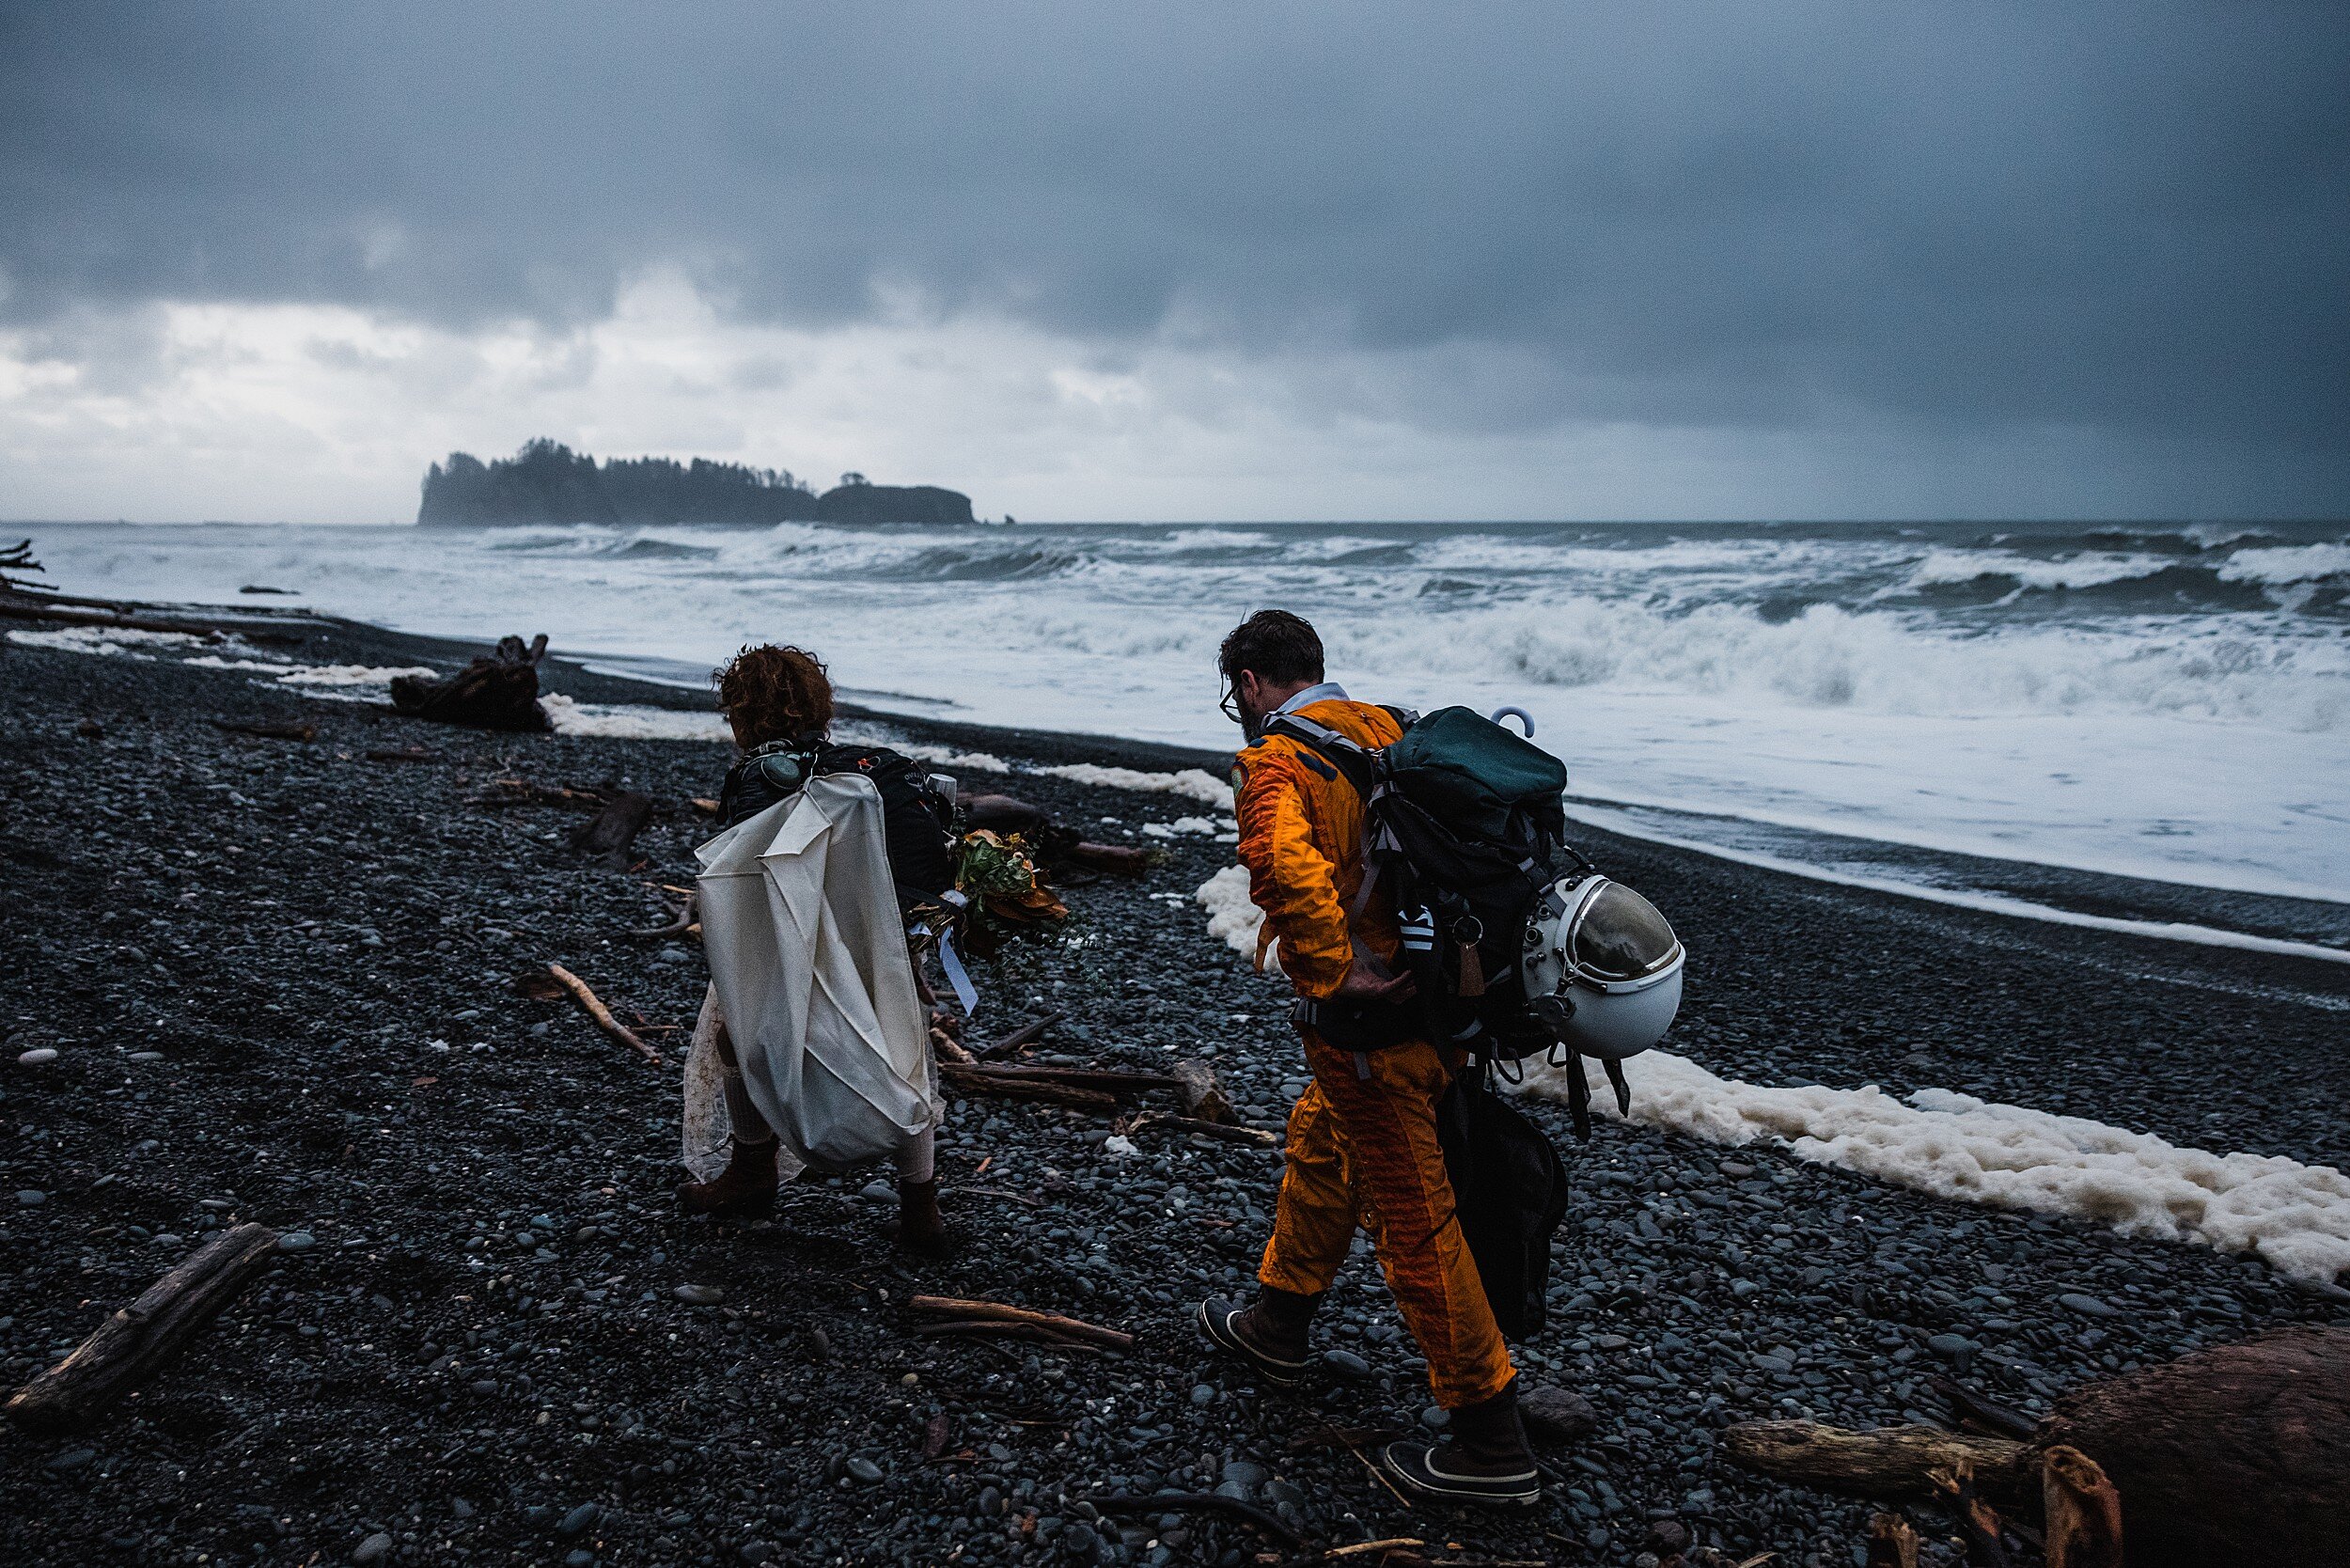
{"type": "Point", "coordinates": [1603, 968]}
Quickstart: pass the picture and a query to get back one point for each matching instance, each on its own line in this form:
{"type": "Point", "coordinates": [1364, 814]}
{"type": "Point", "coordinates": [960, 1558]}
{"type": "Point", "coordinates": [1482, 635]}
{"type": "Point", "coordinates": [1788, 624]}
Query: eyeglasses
{"type": "Point", "coordinates": [1230, 703]}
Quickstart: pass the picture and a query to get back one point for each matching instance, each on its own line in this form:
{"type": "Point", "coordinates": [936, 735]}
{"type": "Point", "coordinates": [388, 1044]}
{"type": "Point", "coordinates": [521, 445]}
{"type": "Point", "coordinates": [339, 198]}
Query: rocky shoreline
{"type": "Point", "coordinates": [275, 976]}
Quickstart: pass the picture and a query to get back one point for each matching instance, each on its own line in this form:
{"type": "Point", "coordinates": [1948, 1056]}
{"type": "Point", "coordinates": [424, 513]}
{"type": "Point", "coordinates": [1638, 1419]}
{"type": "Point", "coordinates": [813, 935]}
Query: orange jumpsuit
{"type": "Point", "coordinates": [1362, 1140]}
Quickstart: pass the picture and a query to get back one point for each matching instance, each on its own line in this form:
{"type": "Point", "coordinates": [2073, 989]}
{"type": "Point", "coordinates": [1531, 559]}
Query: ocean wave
{"type": "Point", "coordinates": [2284, 565]}
{"type": "Point", "coordinates": [1831, 657]}
{"type": "Point", "coordinates": [1942, 568]}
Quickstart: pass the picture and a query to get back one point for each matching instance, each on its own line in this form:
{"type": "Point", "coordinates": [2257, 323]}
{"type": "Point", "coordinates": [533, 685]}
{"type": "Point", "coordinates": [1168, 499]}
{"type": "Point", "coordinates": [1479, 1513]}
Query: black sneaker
{"type": "Point", "coordinates": [1225, 1326]}
{"type": "Point", "coordinates": [1445, 1473]}
{"type": "Point", "coordinates": [1486, 1461]}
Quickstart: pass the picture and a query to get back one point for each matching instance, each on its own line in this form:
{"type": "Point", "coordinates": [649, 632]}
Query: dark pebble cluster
{"type": "Point", "coordinates": [277, 978]}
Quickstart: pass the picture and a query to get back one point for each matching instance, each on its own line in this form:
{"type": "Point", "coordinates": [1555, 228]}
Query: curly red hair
{"type": "Point", "coordinates": [774, 693]}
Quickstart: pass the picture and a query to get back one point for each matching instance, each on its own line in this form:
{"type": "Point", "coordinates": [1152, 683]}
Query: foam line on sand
{"type": "Point", "coordinates": [2294, 1217]}
{"type": "Point", "coordinates": [1989, 904]}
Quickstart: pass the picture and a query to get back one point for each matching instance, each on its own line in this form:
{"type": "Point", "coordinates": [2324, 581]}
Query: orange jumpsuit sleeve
{"type": "Point", "coordinates": [1290, 879]}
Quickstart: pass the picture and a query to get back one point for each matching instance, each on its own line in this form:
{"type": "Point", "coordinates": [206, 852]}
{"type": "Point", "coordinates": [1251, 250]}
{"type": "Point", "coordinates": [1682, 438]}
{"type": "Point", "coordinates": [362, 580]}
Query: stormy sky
{"type": "Point", "coordinates": [1187, 261]}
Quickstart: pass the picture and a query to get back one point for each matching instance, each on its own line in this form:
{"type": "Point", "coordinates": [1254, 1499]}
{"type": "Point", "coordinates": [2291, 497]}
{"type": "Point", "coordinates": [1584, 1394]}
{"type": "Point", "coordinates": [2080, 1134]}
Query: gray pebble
{"type": "Point", "coordinates": [375, 1549]}
{"type": "Point", "coordinates": [28, 1197]}
{"type": "Point", "coordinates": [579, 1519]}
{"type": "Point", "coordinates": [863, 1469]}
{"type": "Point", "coordinates": [1346, 1362]}
{"type": "Point", "coordinates": [700, 1295]}
{"type": "Point", "coordinates": [296, 1241]}
{"type": "Point", "coordinates": [2088, 1306]}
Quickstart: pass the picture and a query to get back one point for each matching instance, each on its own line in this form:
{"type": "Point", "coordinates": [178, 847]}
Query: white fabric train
{"type": "Point", "coordinates": [809, 968]}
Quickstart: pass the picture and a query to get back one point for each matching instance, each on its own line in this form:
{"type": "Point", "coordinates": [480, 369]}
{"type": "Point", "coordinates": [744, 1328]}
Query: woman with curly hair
{"type": "Point", "coordinates": [778, 702]}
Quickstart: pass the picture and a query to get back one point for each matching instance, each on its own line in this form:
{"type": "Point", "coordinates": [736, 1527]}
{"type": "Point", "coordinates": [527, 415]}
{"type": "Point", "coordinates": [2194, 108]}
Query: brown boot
{"type": "Point", "coordinates": [920, 1231]}
{"type": "Point", "coordinates": [1269, 1334]}
{"type": "Point", "coordinates": [744, 1189]}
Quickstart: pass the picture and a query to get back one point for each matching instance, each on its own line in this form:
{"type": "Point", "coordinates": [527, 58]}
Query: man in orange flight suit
{"type": "Point", "coordinates": [1362, 1144]}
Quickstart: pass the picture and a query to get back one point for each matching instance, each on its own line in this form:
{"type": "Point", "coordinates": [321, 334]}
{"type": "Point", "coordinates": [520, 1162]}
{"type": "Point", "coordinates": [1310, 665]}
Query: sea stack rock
{"type": "Point", "coordinates": [860, 502]}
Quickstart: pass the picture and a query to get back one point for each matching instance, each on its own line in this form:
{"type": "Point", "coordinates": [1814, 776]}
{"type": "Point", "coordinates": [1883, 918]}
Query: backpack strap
{"type": "Point", "coordinates": [1351, 761]}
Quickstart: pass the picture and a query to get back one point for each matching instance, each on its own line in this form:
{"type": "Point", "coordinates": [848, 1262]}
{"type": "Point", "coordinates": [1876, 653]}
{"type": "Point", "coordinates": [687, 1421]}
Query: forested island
{"type": "Point", "coordinates": [548, 482]}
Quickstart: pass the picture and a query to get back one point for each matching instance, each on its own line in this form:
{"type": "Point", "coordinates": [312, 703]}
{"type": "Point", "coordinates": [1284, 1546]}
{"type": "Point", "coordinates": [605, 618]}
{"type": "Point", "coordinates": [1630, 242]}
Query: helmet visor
{"type": "Point", "coordinates": [1622, 936]}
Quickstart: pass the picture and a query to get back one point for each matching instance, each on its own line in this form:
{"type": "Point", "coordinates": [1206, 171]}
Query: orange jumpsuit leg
{"type": "Point", "coordinates": [1314, 1218]}
{"type": "Point", "coordinates": [1384, 1129]}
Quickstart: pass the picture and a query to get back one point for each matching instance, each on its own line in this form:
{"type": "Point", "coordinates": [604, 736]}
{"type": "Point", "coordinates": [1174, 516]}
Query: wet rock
{"type": "Point", "coordinates": [1556, 1414]}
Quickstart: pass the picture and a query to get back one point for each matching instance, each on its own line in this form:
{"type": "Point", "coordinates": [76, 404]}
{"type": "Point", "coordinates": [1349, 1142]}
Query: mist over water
{"type": "Point", "coordinates": [2170, 701]}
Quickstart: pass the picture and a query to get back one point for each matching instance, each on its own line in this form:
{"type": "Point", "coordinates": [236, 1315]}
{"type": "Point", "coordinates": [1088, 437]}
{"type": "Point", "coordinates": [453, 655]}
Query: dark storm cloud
{"type": "Point", "coordinates": [2130, 218]}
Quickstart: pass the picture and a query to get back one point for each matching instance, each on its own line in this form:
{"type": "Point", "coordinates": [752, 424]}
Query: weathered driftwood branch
{"type": "Point", "coordinates": [681, 924]}
{"type": "Point", "coordinates": [1197, 1094]}
{"type": "Point", "coordinates": [1109, 1080]}
{"type": "Point", "coordinates": [609, 833]}
{"type": "Point", "coordinates": [403, 753]}
{"type": "Point", "coordinates": [128, 1346]}
{"type": "Point", "coordinates": [972, 1079]}
{"type": "Point", "coordinates": [2080, 1510]}
{"type": "Point", "coordinates": [1155, 1121]}
{"type": "Point", "coordinates": [602, 1014]}
{"type": "Point", "coordinates": [998, 1311]}
{"type": "Point", "coordinates": [509, 791]}
{"type": "Point", "coordinates": [1024, 1035]}
{"type": "Point", "coordinates": [1889, 1461]}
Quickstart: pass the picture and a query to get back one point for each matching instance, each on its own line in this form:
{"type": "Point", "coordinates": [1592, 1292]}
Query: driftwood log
{"type": "Point", "coordinates": [1197, 1095]}
{"type": "Point", "coordinates": [601, 1013]}
{"type": "Point", "coordinates": [128, 1346]}
{"type": "Point", "coordinates": [2238, 1453]}
{"type": "Point", "coordinates": [975, 1078]}
{"type": "Point", "coordinates": [1888, 1461]}
{"type": "Point", "coordinates": [997, 1311]}
{"type": "Point", "coordinates": [608, 834]}
{"type": "Point", "coordinates": [1026, 1035]}
{"type": "Point", "coordinates": [500, 691]}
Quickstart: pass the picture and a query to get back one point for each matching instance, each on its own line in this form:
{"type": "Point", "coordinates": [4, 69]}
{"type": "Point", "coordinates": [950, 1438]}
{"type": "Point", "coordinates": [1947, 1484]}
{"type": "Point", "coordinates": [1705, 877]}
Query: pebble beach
{"type": "Point", "coordinates": [272, 980]}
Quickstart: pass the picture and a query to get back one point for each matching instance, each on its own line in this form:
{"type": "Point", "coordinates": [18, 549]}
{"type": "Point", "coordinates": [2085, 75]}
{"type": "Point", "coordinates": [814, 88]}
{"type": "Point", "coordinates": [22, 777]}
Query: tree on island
{"type": "Point", "coordinates": [546, 482]}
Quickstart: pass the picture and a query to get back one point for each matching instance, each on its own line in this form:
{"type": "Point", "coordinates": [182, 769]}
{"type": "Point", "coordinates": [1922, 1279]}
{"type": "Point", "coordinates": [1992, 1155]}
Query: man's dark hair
{"type": "Point", "coordinates": [1279, 646]}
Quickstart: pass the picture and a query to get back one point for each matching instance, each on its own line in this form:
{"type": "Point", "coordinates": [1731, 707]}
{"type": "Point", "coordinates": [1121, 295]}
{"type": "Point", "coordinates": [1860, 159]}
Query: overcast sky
{"type": "Point", "coordinates": [1169, 261]}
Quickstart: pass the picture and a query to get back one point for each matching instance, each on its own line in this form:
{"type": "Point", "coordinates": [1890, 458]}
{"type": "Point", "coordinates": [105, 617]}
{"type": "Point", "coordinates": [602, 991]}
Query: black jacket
{"type": "Point", "coordinates": [917, 820]}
